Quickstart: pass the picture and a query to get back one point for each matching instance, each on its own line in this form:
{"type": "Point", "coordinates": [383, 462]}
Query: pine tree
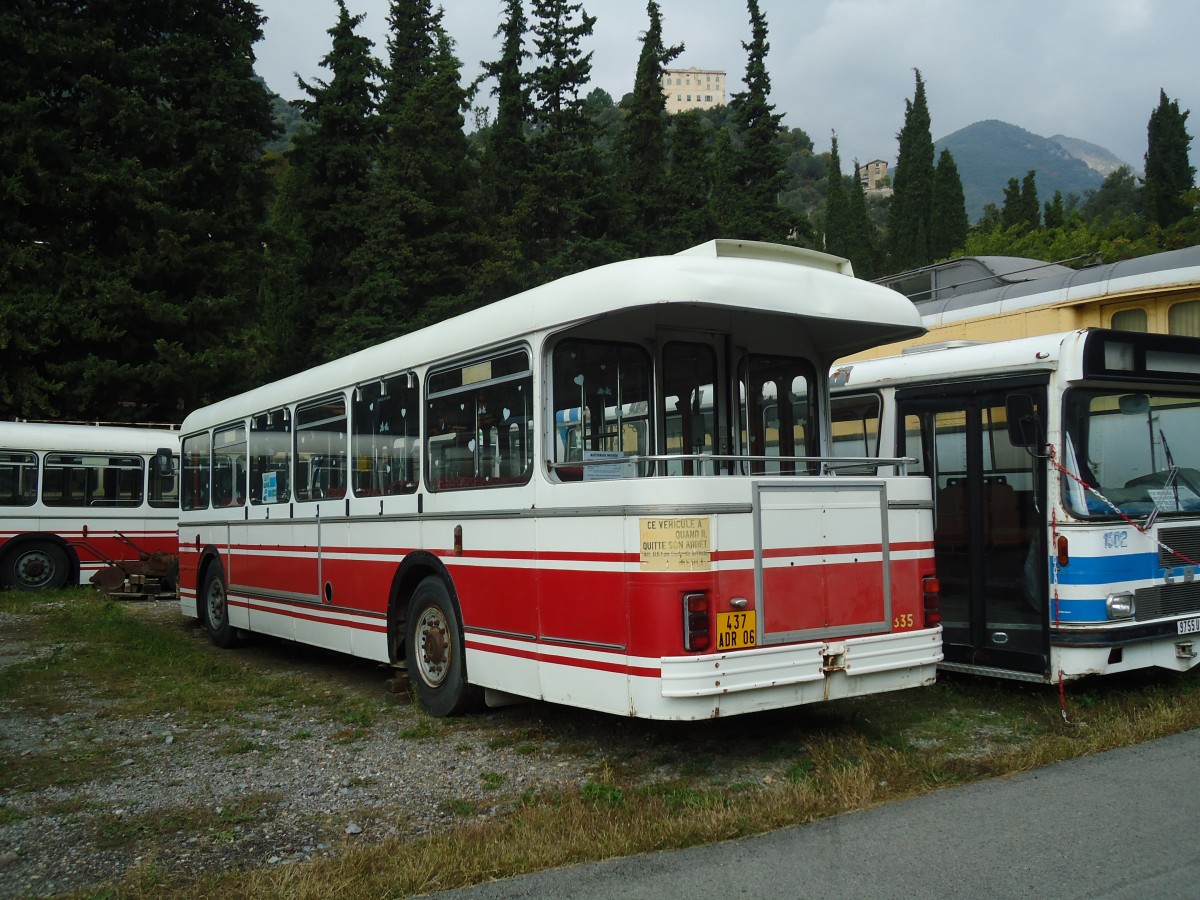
{"type": "Point", "coordinates": [749, 204]}
{"type": "Point", "coordinates": [949, 226]}
{"type": "Point", "coordinates": [837, 218]}
{"type": "Point", "coordinates": [321, 215]}
{"type": "Point", "coordinates": [911, 214]}
{"type": "Point", "coordinates": [505, 162]}
{"type": "Point", "coordinates": [1168, 170]}
{"type": "Point", "coordinates": [134, 203]}
{"type": "Point", "coordinates": [643, 144]}
{"type": "Point", "coordinates": [573, 203]}
{"type": "Point", "coordinates": [421, 247]}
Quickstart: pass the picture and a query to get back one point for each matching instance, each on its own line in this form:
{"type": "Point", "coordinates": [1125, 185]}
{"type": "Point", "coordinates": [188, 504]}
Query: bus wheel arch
{"type": "Point", "coordinates": [435, 649]}
{"type": "Point", "coordinates": [38, 562]}
{"type": "Point", "coordinates": [212, 603]}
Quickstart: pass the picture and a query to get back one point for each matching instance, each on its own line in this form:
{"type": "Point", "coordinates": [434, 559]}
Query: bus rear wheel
{"type": "Point", "coordinates": [36, 566]}
{"type": "Point", "coordinates": [215, 602]}
{"type": "Point", "coordinates": [435, 651]}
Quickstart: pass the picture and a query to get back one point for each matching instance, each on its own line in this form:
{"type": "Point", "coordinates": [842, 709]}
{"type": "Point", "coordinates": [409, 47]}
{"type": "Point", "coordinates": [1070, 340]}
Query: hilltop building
{"type": "Point", "coordinates": [873, 175]}
{"type": "Point", "coordinates": [693, 89]}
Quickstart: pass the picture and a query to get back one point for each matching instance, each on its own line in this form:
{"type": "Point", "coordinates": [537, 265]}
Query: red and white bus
{"type": "Point", "coordinates": [74, 498]}
{"type": "Point", "coordinates": [610, 492]}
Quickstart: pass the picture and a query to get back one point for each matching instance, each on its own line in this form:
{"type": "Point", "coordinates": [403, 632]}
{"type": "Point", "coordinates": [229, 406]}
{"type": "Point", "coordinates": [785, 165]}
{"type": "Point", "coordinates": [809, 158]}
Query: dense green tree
{"type": "Point", "coordinates": [1055, 215]}
{"type": "Point", "coordinates": [837, 211]}
{"type": "Point", "coordinates": [573, 205]}
{"type": "Point", "coordinates": [321, 216]}
{"type": "Point", "coordinates": [133, 199]}
{"type": "Point", "coordinates": [949, 225]}
{"type": "Point", "coordinates": [1169, 173]}
{"type": "Point", "coordinates": [505, 162]}
{"type": "Point", "coordinates": [911, 213]}
{"type": "Point", "coordinates": [755, 176]}
{"type": "Point", "coordinates": [421, 246]}
{"type": "Point", "coordinates": [863, 246]}
{"type": "Point", "coordinates": [1021, 210]}
{"type": "Point", "coordinates": [1117, 198]}
{"type": "Point", "coordinates": [1031, 210]}
{"type": "Point", "coordinates": [690, 183]}
{"type": "Point", "coordinates": [643, 147]}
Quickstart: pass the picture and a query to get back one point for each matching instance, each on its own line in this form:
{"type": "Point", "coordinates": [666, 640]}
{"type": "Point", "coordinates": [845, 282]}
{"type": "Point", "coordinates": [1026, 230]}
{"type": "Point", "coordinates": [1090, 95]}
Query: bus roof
{"type": "Point", "coordinates": [89, 438]}
{"type": "Point", "coordinates": [1085, 352]}
{"type": "Point", "coordinates": [961, 359]}
{"type": "Point", "coordinates": [844, 314]}
{"type": "Point", "coordinates": [1172, 269]}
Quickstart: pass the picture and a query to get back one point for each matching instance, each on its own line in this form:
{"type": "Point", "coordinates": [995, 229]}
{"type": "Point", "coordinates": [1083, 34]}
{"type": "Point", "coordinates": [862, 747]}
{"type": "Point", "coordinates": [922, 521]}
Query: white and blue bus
{"type": "Point", "coordinates": [1066, 473]}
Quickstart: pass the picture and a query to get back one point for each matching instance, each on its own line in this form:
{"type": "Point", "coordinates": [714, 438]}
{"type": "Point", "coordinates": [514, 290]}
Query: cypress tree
{"type": "Point", "coordinates": [1168, 170]}
{"type": "Point", "coordinates": [321, 214]}
{"type": "Point", "coordinates": [1031, 211]}
{"type": "Point", "coordinates": [1010, 212]}
{"type": "Point", "coordinates": [749, 207]}
{"type": "Point", "coordinates": [911, 214]}
{"type": "Point", "coordinates": [863, 247]}
{"type": "Point", "coordinates": [1055, 215]}
{"type": "Point", "coordinates": [949, 225]}
{"type": "Point", "coordinates": [837, 219]}
{"type": "Point", "coordinates": [643, 143]}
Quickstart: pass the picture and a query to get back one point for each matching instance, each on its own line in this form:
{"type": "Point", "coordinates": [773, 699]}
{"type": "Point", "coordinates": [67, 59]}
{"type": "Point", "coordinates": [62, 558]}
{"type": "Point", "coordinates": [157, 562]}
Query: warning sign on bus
{"type": "Point", "coordinates": [675, 544]}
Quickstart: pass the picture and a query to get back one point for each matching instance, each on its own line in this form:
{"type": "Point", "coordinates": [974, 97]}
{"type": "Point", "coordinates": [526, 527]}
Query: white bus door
{"type": "Point", "coordinates": [989, 534]}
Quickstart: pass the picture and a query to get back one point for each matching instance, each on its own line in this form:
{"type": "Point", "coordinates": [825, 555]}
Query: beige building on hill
{"type": "Point", "coordinates": [873, 175]}
{"type": "Point", "coordinates": [693, 89]}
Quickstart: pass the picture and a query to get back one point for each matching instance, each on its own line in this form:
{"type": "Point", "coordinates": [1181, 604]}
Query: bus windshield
{"type": "Point", "coordinates": [1138, 452]}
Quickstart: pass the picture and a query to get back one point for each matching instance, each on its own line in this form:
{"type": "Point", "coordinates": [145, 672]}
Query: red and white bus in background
{"type": "Point", "coordinates": [611, 492]}
{"type": "Point", "coordinates": [74, 498]}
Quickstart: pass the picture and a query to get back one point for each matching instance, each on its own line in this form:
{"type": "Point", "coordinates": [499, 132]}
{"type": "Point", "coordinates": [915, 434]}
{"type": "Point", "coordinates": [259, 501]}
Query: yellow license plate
{"type": "Point", "coordinates": [736, 630]}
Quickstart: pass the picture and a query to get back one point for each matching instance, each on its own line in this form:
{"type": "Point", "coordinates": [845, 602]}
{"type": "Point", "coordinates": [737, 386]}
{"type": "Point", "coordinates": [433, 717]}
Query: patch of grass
{"type": "Point", "coordinates": [151, 828]}
{"type": "Point", "coordinates": [423, 730]}
{"type": "Point", "coordinates": [457, 807]}
{"type": "Point", "coordinates": [493, 781]}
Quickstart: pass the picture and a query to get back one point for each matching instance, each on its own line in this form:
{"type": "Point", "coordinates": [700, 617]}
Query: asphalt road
{"type": "Point", "coordinates": [1122, 824]}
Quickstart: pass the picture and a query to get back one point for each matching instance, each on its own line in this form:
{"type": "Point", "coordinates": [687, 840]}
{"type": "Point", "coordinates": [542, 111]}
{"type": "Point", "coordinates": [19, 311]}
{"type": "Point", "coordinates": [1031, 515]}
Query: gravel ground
{"type": "Point", "coordinates": [261, 789]}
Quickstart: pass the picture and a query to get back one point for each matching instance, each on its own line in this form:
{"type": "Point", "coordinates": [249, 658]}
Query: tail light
{"type": "Point", "coordinates": [1063, 551]}
{"type": "Point", "coordinates": [696, 634]}
{"type": "Point", "coordinates": [931, 597]}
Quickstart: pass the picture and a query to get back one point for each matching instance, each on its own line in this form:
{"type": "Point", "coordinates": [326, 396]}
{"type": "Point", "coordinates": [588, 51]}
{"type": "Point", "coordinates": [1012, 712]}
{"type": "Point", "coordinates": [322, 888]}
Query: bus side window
{"type": "Point", "coordinates": [385, 454]}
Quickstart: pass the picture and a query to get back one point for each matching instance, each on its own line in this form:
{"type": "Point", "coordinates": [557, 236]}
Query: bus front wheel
{"type": "Point", "coordinates": [35, 566]}
{"type": "Point", "coordinates": [435, 651]}
{"type": "Point", "coordinates": [215, 603]}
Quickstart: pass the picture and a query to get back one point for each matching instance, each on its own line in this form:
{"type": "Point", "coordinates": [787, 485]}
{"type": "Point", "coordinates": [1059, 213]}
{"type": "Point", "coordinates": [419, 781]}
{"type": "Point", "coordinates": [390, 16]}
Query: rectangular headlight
{"type": "Point", "coordinates": [1119, 605]}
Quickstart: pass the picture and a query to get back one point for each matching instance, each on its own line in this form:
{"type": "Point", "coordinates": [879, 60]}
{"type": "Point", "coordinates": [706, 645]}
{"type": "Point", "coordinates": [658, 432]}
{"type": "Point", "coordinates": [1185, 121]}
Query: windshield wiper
{"type": "Point", "coordinates": [1172, 480]}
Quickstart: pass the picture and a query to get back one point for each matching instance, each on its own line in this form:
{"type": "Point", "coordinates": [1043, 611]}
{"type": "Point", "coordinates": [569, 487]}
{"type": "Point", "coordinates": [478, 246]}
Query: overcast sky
{"type": "Point", "coordinates": [1088, 69]}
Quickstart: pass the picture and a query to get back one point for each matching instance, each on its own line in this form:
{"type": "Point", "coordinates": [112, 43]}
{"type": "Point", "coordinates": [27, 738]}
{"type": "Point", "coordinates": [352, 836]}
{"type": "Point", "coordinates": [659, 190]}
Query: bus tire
{"type": "Point", "coordinates": [35, 566]}
{"type": "Point", "coordinates": [215, 604]}
{"type": "Point", "coordinates": [435, 651]}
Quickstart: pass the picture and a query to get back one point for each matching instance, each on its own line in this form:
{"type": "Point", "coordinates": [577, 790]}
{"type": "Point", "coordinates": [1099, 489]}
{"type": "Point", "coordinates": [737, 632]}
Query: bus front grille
{"type": "Point", "coordinates": [1167, 600]}
{"type": "Point", "coordinates": [1178, 547]}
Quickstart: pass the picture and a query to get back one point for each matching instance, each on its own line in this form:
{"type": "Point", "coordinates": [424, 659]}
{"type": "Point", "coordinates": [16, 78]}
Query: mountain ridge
{"type": "Point", "coordinates": [990, 152]}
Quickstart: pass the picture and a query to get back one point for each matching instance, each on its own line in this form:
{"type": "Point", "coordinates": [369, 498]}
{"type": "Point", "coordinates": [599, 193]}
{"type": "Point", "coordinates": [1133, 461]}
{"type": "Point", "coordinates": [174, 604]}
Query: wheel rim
{"type": "Point", "coordinates": [215, 604]}
{"type": "Point", "coordinates": [433, 645]}
{"type": "Point", "coordinates": [35, 569]}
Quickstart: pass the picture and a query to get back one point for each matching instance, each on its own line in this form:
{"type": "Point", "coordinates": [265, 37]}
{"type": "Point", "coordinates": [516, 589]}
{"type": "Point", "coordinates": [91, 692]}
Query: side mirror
{"type": "Point", "coordinates": [1024, 427]}
{"type": "Point", "coordinates": [164, 461]}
